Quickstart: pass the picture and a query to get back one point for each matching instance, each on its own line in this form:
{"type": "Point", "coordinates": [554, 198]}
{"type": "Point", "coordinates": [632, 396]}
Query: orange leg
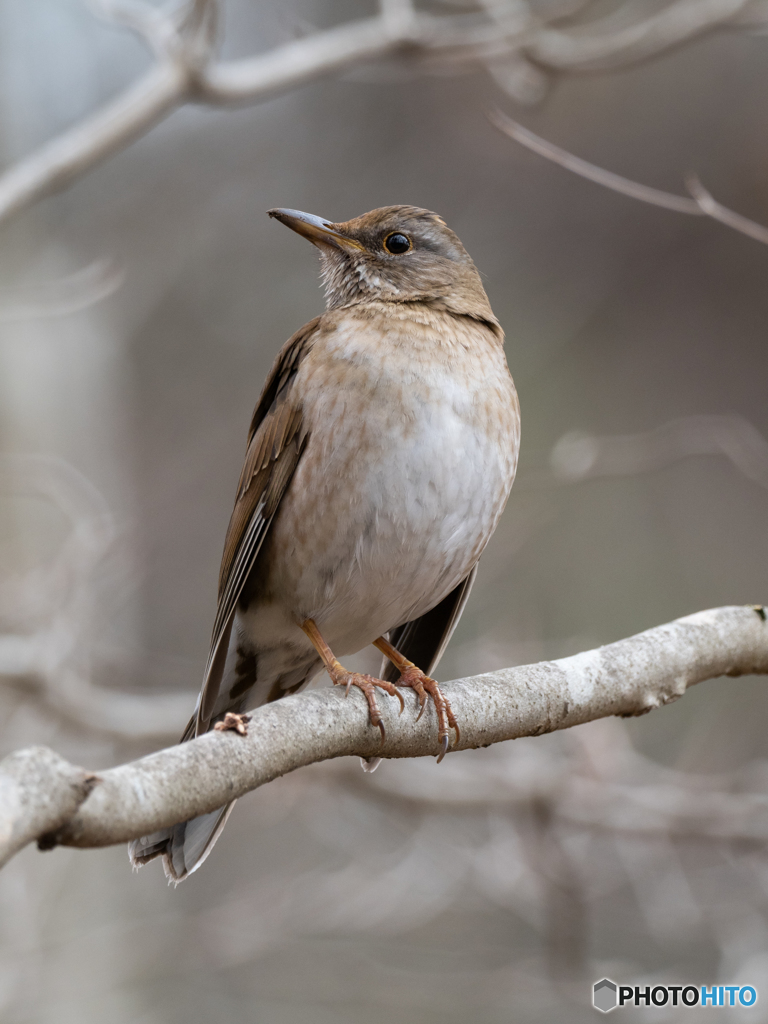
{"type": "Point", "coordinates": [424, 686]}
{"type": "Point", "coordinates": [341, 677]}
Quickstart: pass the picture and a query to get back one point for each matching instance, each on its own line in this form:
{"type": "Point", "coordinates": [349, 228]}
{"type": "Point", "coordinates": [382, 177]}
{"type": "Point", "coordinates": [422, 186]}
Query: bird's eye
{"type": "Point", "coordinates": [397, 244]}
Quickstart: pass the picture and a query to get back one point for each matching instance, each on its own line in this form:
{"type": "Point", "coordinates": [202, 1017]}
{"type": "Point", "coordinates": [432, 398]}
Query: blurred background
{"type": "Point", "coordinates": [139, 313]}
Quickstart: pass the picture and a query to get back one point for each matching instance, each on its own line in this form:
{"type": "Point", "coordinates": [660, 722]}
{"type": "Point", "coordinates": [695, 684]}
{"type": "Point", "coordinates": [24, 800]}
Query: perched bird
{"type": "Point", "coordinates": [380, 457]}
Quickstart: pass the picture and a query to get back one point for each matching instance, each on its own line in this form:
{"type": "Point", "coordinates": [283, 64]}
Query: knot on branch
{"type": "Point", "coordinates": [39, 793]}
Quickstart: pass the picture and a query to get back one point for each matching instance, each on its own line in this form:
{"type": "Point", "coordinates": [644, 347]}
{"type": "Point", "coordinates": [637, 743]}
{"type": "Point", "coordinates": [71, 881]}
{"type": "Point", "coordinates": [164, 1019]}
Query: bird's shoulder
{"type": "Point", "coordinates": [388, 336]}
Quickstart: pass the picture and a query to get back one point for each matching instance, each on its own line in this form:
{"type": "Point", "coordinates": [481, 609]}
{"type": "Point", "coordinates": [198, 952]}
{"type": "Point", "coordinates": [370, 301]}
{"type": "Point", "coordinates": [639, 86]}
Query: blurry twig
{"type": "Point", "coordinates": [701, 205]}
{"type": "Point", "coordinates": [522, 825]}
{"type": "Point", "coordinates": [34, 665]}
{"type": "Point", "coordinates": [46, 614]}
{"type": "Point", "coordinates": [603, 784]}
{"type": "Point", "coordinates": [69, 294]}
{"type": "Point", "coordinates": [580, 456]}
{"type": "Point", "coordinates": [711, 208]}
{"type": "Point", "coordinates": [592, 48]}
{"type": "Point", "coordinates": [515, 45]}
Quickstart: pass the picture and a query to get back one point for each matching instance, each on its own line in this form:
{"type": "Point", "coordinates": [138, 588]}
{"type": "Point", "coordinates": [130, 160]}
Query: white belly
{"type": "Point", "coordinates": [415, 523]}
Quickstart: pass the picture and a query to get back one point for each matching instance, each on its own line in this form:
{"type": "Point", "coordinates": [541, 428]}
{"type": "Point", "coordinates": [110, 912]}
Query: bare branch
{"type": "Point", "coordinates": [504, 38]}
{"type": "Point", "coordinates": [175, 80]}
{"type": "Point", "coordinates": [630, 677]}
{"type": "Point", "coordinates": [594, 49]}
{"type": "Point", "coordinates": [154, 25]}
{"type": "Point", "coordinates": [579, 456]}
{"type": "Point", "coordinates": [324, 53]}
{"type": "Point", "coordinates": [56, 164]}
{"type": "Point", "coordinates": [68, 693]}
{"type": "Point", "coordinates": [590, 171]}
{"type": "Point", "coordinates": [39, 792]}
{"type": "Point", "coordinates": [46, 661]}
{"type": "Point", "coordinates": [711, 208]}
{"type": "Point", "coordinates": [398, 15]}
{"type": "Point", "coordinates": [701, 205]}
{"type": "Point", "coordinates": [69, 294]}
{"type": "Point", "coordinates": [629, 795]}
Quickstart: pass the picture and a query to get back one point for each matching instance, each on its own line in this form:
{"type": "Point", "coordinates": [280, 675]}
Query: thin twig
{"type": "Point", "coordinates": [711, 208]}
{"type": "Point", "coordinates": [701, 205]}
{"type": "Point", "coordinates": [595, 49]}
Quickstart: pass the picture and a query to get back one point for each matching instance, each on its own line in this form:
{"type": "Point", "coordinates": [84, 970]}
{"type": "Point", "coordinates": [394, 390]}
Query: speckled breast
{"type": "Point", "coordinates": [413, 442]}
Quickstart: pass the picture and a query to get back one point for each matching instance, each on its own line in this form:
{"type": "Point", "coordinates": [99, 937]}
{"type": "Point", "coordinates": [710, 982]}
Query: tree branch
{"type": "Point", "coordinates": [701, 205]}
{"type": "Point", "coordinates": [61, 161]}
{"type": "Point", "coordinates": [630, 677]}
{"type": "Point", "coordinates": [185, 71]}
{"type": "Point", "coordinates": [39, 792]}
{"type": "Point", "coordinates": [711, 208]}
{"type": "Point", "coordinates": [601, 50]}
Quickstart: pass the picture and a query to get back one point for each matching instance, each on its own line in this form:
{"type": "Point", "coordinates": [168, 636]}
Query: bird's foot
{"type": "Point", "coordinates": [426, 687]}
{"type": "Point", "coordinates": [341, 677]}
{"type": "Point", "coordinates": [234, 723]}
{"type": "Point", "coordinates": [368, 684]}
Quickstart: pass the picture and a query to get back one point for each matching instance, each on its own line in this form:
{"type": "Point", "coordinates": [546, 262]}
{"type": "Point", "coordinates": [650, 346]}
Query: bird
{"type": "Point", "coordinates": [380, 456]}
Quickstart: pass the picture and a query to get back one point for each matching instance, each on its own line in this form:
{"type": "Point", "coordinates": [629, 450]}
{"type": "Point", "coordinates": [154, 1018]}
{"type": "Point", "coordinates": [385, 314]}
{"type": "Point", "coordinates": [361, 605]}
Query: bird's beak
{"type": "Point", "coordinates": [320, 232]}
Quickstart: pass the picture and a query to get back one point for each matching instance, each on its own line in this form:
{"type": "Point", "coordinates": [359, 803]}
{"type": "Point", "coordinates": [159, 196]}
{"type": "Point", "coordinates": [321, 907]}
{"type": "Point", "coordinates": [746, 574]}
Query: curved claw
{"type": "Point", "coordinates": [383, 733]}
{"type": "Point", "coordinates": [422, 705]}
{"type": "Point", "coordinates": [402, 702]}
{"type": "Point", "coordinates": [457, 731]}
{"type": "Point", "coordinates": [443, 749]}
{"type": "Point", "coordinates": [348, 687]}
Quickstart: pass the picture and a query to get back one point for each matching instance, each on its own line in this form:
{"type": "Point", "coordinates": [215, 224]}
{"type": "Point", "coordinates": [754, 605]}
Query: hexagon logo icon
{"type": "Point", "coordinates": [604, 996]}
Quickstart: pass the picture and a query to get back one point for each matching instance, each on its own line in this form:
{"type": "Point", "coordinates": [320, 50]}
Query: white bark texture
{"type": "Point", "coordinates": [43, 797]}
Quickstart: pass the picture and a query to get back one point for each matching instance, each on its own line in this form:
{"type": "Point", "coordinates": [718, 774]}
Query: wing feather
{"type": "Point", "coordinates": [276, 440]}
{"type": "Point", "coordinates": [423, 640]}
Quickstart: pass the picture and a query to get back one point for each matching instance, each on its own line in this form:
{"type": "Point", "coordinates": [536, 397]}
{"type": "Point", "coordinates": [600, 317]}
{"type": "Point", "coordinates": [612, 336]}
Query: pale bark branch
{"type": "Point", "coordinates": [61, 161]}
{"type": "Point", "coordinates": [711, 208]}
{"type": "Point", "coordinates": [595, 49]}
{"type": "Point", "coordinates": [70, 695]}
{"type": "Point", "coordinates": [580, 456]}
{"type": "Point", "coordinates": [185, 70]}
{"type": "Point", "coordinates": [286, 67]}
{"type": "Point", "coordinates": [701, 205]}
{"type": "Point", "coordinates": [39, 793]}
{"type": "Point", "coordinates": [626, 678]}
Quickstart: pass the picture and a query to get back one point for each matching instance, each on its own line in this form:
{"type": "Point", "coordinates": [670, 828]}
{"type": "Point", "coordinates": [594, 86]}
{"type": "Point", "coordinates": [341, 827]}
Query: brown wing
{"type": "Point", "coordinates": [276, 440]}
{"type": "Point", "coordinates": [423, 640]}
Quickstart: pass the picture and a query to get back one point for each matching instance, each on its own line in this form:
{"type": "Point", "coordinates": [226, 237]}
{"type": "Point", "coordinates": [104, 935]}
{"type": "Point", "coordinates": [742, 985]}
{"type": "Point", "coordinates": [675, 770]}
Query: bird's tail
{"type": "Point", "coordinates": [183, 847]}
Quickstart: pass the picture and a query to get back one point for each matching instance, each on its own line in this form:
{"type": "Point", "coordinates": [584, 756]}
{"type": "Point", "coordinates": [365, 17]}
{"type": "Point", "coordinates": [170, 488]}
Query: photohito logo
{"type": "Point", "coordinates": [607, 995]}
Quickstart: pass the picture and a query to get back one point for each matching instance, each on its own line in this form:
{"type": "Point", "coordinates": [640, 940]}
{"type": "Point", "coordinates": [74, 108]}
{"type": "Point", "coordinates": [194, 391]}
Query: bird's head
{"type": "Point", "coordinates": [394, 254]}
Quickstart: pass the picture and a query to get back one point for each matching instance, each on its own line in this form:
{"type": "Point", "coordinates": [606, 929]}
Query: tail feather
{"type": "Point", "coordinates": [183, 847]}
{"type": "Point", "coordinates": [233, 684]}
